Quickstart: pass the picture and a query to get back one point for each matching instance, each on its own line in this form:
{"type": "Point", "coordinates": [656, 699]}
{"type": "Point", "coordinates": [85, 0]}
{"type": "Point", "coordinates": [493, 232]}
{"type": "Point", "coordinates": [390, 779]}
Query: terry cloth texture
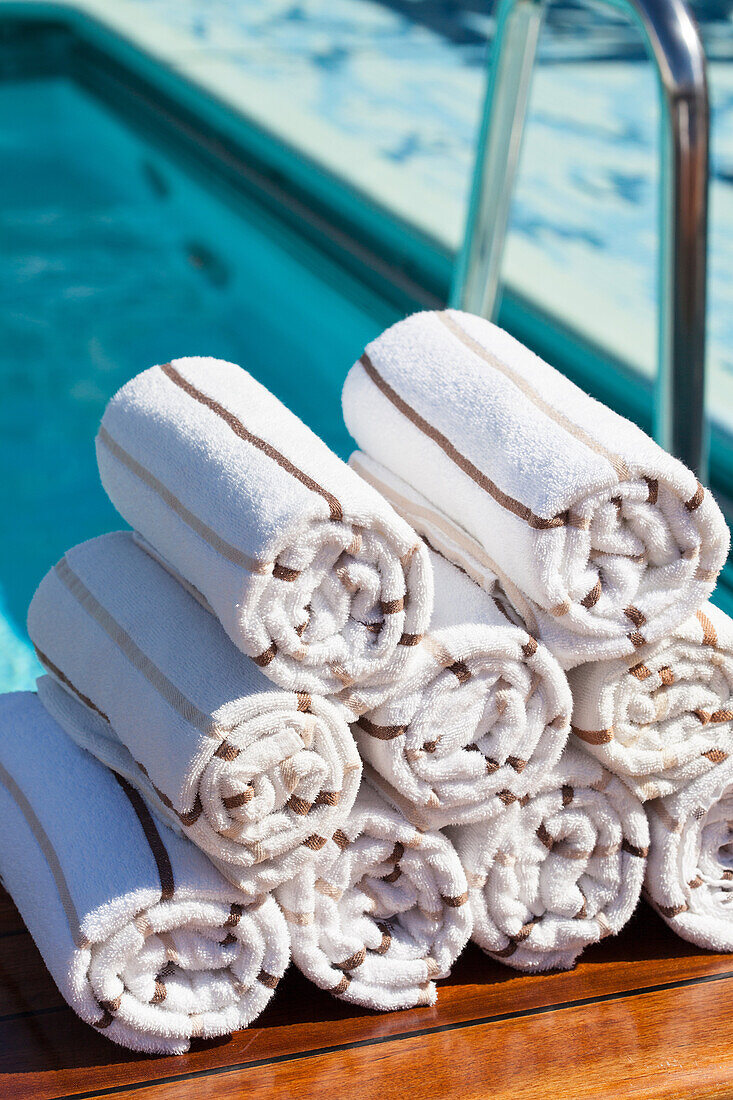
{"type": "Point", "coordinates": [144, 938]}
{"type": "Point", "coordinates": [146, 679]}
{"type": "Point", "coordinates": [481, 713]}
{"type": "Point", "coordinates": [608, 542]}
{"type": "Point", "coordinates": [665, 716]}
{"type": "Point", "coordinates": [383, 914]}
{"type": "Point", "coordinates": [311, 573]}
{"type": "Point", "coordinates": [689, 875]}
{"type": "Point", "coordinates": [556, 871]}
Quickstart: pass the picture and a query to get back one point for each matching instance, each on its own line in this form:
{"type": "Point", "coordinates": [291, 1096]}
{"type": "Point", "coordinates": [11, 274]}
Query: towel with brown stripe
{"type": "Point", "coordinates": [556, 871]}
{"type": "Point", "coordinates": [144, 938]}
{"type": "Point", "coordinates": [311, 573]}
{"type": "Point", "coordinates": [606, 541]}
{"type": "Point", "coordinates": [481, 713]}
{"type": "Point", "coordinates": [146, 679]}
{"type": "Point", "coordinates": [689, 878]}
{"type": "Point", "coordinates": [663, 717]}
{"type": "Point", "coordinates": [384, 913]}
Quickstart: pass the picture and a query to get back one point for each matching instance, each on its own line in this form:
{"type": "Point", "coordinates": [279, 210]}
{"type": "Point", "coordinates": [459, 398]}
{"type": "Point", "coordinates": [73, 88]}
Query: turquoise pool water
{"type": "Point", "coordinates": [113, 259]}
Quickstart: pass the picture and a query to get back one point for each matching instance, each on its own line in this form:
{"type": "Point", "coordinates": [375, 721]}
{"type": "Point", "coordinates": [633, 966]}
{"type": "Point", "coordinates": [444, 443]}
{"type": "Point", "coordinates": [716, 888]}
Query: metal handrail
{"type": "Point", "coordinates": [673, 43]}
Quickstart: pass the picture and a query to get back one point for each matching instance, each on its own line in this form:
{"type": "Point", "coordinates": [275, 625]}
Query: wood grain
{"type": "Point", "coordinates": [46, 1051]}
{"type": "Point", "coordinates": [667, 1044]}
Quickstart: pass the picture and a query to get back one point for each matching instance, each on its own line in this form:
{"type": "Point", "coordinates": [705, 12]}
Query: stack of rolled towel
{"type": "Point", "coordinates": [322, 710]}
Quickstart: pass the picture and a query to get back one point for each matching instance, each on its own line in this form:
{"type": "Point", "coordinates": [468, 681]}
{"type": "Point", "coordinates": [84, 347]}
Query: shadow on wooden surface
{"type": "Point", "coordinates": [642, 1015]}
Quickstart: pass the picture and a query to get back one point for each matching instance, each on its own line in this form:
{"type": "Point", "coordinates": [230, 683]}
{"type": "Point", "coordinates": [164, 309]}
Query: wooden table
{"type": "Point", "coordinates": [643, 1014]}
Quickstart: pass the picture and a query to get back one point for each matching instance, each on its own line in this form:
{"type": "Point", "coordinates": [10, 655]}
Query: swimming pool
{"type": "Point", "coordinates": [116, 257]}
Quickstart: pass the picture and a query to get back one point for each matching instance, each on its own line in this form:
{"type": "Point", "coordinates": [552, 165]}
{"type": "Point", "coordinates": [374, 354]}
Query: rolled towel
{"type": "Point", "coordinates": [608, 541]}
{"type": "Point", "coordinates": [383, 914]}
{"type": "Point", "coordinates": [310, 572]}
{"type": "Point", "coordinates": [144, 938]}
{"type": "Point", "coordinates": [481, 713]}
{"type": "Point", "coordinates": [256, 776]}
{"type": "Point", "coordinates": [665, 716]}
{"type": "Point", "coordinates": [556, 871]}
{"type": "Point", "coordinates": [689, 877]}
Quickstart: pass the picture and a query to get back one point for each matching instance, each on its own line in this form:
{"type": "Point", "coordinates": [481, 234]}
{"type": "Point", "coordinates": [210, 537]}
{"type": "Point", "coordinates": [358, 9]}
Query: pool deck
{"type": "Point", "coordinates": [642, 1015]}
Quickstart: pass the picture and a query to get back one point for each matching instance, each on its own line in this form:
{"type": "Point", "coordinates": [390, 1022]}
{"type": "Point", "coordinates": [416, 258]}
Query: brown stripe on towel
{"type": "Point", "coordinates": [353, 961]}
{"type": "Point", "coordinates": [593, 596]}
{"type": "Point", "coordinates": [461, 670]}
{"type": "Point", "coordinates": [393, 875]}
{"type": "Point", "coordinates": [392, 607]}
{"type": "Point", "coordinates": [516, 507]}
{"type": "Point", "coordinates": [315, 842]}
{"type": "Point", "coordinates": [695, 882]}
{"type": "Point", "coordinates": [299, 805]}
{"type": "Point", "coordinates": [382, 733]}
{"type": "Point", "coordinates": [248, 437]}
{"type": "Point", "coordinates": [386, 941]}
{"type": "Point", "coordinates": [617, 462]}
{"type": "Point", "coordinates": [544, 836]}
{"type": "Point", "coordinates": [263, 659]}
{"type": "Point", "coordinates": [455, 902]}
{"type": "Point", "coordinates": [517, 763]}
{"type": "Point", "coordinates": [328, 798]}
{"type": "Point", "coordinates": [282, 573]}
{"type": "Point", "coordinates": [637, 617]}
{"type": "Point", "coordinates": [567, 794]}
{"type": "Point", "coordinates": [696, 500]}
{"type": "Point", "coordinates": [266, 979]}
{"type": "Point", "coordinates": [188, 817]}
{"type": "Point", "coordinates": [506, 952]}
{"type": "Point", "coordinates": [225, 549]}
{"type": "Point", "coordinates": [653, 487]}
{"type": "Point", "coordinates": [341, 840]}
{"type": "Point", "coordinates": [506, 796]}
{"type": "Point", "coordinates": [637, 639]}
{"type": "Point", "coordinates": [235, 912]}
{"type": "Point", "coordinates": [716, 756]}
{"type": "Point", "coordinates": [153, 837]}
{"type": "Point", "coordinates": [234, 801]}
{"type": "Point", "coordinates": [593, 737]}
{"type": "Point", "coordinates": [672, 910]}
{"type": "Point", "coordinates": [640, 671]}
{"type": "Point", "coordinates": [633, 849]}
{"type": "Point", "coordinates": [666, 676]}
{"type": "Point", "coordinates": [226, 751]}
{"type": "Point", "coordinates": [304, 702]}
{"type": "Point", "coordinates": [410, 639]}
{"type": "Point", "coordinates": [342, 986]}
{"type": "Point", "coordinates": [709, 637]}
{"type": "Point", "coordinates": [529, 648]}
{"type": "Point", "coordinates": [64, 679]}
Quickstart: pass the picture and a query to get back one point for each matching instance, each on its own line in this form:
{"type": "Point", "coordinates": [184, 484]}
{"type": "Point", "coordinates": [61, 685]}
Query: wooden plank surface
{"type": "Point", "coordinates": [643, 1014]}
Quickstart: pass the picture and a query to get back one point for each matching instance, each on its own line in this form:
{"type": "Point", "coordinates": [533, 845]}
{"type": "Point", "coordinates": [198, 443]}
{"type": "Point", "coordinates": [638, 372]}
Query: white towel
{"type": "Point", "coordinates": [557, 871]}
{"type": "Point", "coordinates": [481, 713]}
{"type": "Point", "coordinates": [311, 573]}
{"type": "Point", "coordinates": [256, 776]}
{"type": "Point", "coordinates": [144, 938]}
{"type": "Point", "coordinates": [689, 878]}
{"type": "Point", "coordinates": [664, 716]}
{"type": "Point", "coordinates": [610, 541]}
{"type": "Point", "coordinates": [385, 912]}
